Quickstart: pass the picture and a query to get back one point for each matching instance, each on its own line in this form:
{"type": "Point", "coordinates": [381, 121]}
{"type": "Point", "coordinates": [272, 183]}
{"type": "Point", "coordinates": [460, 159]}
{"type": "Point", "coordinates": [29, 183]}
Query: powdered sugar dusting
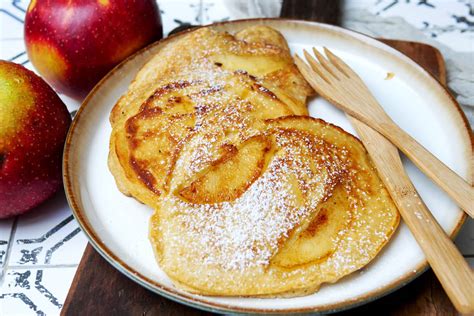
{"type": "Point", "coordinates": [247, 232]}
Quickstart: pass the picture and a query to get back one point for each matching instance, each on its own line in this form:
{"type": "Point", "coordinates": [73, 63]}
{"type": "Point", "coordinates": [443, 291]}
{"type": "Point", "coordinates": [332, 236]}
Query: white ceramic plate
{"type": "Point", "coordinates": [118, 226]}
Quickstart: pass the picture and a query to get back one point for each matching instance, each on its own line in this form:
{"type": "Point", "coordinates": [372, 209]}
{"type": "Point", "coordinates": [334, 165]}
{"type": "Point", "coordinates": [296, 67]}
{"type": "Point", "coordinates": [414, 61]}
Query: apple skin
{"type": "Point", "coordinates": [33, 127]}
{"type": "Point", "coordinates": [73, 44]}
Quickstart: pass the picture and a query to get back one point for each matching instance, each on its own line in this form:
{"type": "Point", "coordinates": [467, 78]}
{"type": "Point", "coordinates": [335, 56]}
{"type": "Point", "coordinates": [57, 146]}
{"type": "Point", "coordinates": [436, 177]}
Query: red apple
{"type": "Point", "coordinates": [73, 44]}
{"type": "Point", "coordinates": [33, 126]}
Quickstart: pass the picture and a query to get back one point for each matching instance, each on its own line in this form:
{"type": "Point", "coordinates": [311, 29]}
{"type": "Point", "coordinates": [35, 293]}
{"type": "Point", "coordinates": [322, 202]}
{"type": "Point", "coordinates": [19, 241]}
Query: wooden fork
{"type": "Point", "coordinates": [336, 81]}
{"type": "Point", "coordinates": [450, 267]}
{"type": "Point", "coordinates": [447, 262]}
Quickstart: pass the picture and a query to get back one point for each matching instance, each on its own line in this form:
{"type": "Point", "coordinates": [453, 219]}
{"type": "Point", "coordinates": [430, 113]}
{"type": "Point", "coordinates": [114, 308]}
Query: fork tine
{"type": "Point", "coordinates": [320, 71]}
{"type": "Point", "coordinates": [342, 66]}
{"type": "Point", "coordinates": [325, 63]}
{"type": "Point", "coordinates": [309, 74]}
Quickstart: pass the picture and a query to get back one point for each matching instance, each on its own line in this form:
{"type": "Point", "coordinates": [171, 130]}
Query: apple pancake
{"type": "Point", "coordinates": [184, 67]}
{"type": "Point", "coordinates": [316, 212]}
{"type": "Point", "coordinates": [251, 196]}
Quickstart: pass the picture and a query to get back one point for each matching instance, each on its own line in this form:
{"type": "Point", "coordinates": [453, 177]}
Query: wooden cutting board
{"type": "Point", "coordinates": [100, 289]}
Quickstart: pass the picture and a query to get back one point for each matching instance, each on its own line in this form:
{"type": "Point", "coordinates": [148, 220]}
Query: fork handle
{"type": "Point", "coordinates": [456, 187]}
{"type": "Point", "coordinates": [445, 259]}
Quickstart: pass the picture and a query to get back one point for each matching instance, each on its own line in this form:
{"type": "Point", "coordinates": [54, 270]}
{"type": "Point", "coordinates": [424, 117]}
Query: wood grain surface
{"type": "Point", "coordinates": [324, 11]}
{"type": "Point", "coordinates": [100, 289]}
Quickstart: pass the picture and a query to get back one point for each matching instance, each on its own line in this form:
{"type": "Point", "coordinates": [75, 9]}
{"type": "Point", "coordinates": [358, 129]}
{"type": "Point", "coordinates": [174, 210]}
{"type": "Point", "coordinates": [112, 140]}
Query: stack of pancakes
{"type": "Point", "coordinates": [250, 195]}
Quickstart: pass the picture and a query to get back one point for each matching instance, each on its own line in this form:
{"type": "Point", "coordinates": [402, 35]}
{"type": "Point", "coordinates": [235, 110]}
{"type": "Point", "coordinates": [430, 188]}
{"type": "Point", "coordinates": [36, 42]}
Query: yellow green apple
{"type": "Point", "coordinates": [33, 127]}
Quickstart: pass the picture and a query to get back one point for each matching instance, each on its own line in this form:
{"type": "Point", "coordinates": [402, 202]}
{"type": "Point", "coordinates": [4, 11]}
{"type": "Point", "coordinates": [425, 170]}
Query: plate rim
{"type": "Point", "coordinates": [186, 298]}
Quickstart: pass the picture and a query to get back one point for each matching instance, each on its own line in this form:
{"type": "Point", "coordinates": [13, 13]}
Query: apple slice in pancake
{"type": "Point", "coordinates": [229, 177]}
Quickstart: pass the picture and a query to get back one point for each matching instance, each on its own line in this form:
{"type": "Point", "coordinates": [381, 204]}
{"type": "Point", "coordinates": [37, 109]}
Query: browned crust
{"type": "Point", "coordinates": [261, 89]}
{"type": "Point", "coordinates": [130, 126]}
{"type": "Point", "coordinates": [163, 90]}
{"type": "Point", "coordinates": [146, 177]}
{"type": "Point", "coordinates": [314, 119]}
{"type": "Point", "coordinates": [256, 86]}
